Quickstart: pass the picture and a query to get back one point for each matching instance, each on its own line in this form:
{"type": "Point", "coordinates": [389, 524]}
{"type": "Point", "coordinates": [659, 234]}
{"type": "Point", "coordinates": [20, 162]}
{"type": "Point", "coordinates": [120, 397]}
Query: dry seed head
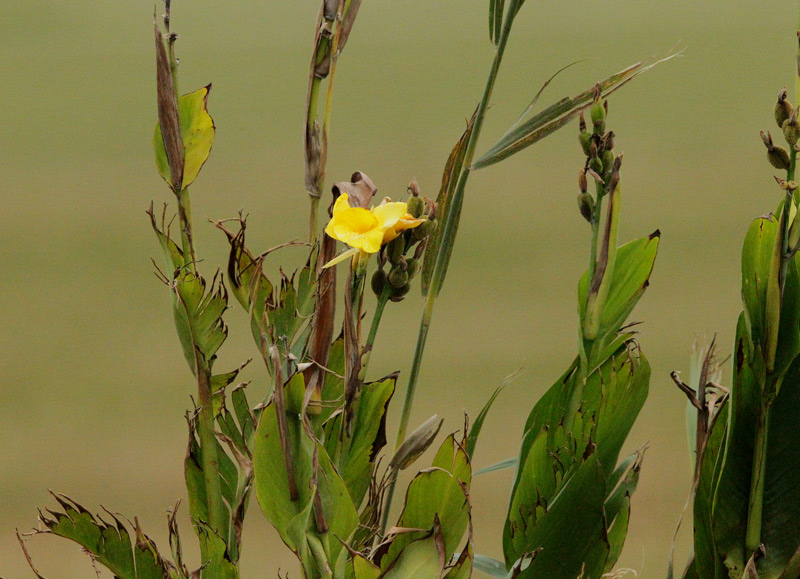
{"type": "Point", "coordinates": [783, 108]}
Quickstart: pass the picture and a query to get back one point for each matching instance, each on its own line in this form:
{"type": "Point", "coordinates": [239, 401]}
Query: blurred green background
{"type": "Point", "coordinates": [93, 386]}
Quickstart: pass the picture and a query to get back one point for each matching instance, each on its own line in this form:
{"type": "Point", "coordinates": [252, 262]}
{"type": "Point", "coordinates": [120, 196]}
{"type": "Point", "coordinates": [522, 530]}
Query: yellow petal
{"type": "Point", "coordinates": [341, 257]}
{"type": "Point", "coordinates": [388, 214]}
{"type": "Point", "coordinates": [408, 221]}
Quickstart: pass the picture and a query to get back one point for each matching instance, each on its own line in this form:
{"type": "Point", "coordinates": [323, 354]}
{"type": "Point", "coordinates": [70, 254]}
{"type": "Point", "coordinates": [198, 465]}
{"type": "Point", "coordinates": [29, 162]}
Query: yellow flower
{"type": "Point", "coordinates": [366, 230]}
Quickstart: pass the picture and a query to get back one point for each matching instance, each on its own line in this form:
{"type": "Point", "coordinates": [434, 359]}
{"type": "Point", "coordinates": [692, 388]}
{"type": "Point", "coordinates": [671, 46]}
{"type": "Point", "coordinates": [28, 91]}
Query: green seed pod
{"type": "Point", "coordinates": [791, 129]}
{"type": "Point", "coordinates": [413, 267]}
{"type": "Point", "coordinates": [779, 157]}
{"type": "Point", "coordinates": [399, 293]}
{"type": "Point", "coordinates": [398, 277]}
{"type": "Point", "coordinates": [395, 249]}
{"type": "Point", "coordinates": [378, 281]}
{"type": "Point", "coordinates": [416, 205]}
{"type": "Point", "coordinates": [586, 205]}
{"type": "Point", "coordinates": [585, 138]}
{"type": "Point", "coordinates": [783, 108]}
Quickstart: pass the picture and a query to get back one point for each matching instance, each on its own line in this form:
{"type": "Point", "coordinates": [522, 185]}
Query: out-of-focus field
{"type": "Point", "coordinates": [93, 386]}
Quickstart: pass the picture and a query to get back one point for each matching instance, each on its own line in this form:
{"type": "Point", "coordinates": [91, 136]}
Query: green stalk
{"type": "Point", "coordinates": [755, 507]}
{"type": "Point", "coordinates": [187, 237]}
{"type": "Point", "coordinates": [383, 298]}
{"type": "Point", "coordinates": [448, 235]}
{"type": "Point", "coordinates": [208, 453]}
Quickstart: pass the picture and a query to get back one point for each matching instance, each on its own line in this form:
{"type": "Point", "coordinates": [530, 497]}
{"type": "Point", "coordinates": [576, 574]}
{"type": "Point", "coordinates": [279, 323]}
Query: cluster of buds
{"type": "Point", "coordinates": [786, 119]}
{"type": "Point", "coordinates": [394, 256]}
{"type": "Point", "coordinates": [601, 163]}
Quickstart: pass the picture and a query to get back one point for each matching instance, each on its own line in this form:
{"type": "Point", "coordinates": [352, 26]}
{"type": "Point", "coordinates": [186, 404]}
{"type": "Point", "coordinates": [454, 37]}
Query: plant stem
{"type": "Point", "coordinates": [187, 237]}
{"type": "Point", "coordinates": [756, 502]}
{"type": "Point", "coordinates": [208, 453]}
{"type": "Point", "coordinates": [448, 234]}
{"type": "Point", "coordinates": [383, 298]}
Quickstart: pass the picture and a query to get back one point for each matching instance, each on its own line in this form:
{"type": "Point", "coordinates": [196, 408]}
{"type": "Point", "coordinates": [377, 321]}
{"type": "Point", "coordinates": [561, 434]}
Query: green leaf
{"type": "Point", "coordinates": [475, 431]}
{"type": "Point", "coordinates": [571, 533]}
{"type": "Point", "coordinates": [495, 20]}
{"type": "Point", "coordinates": [368, 437]}
{"type": "Point", "coordinates": [489, 566]}
{"type": "Point", "coordinates": [272, 482]}
{"type": "Point", "coordinates": [419, 558]}
{"type": "Point", "coordinates": [109, 544]}
{"type": "Point", "coordinates": [631, 275]}
{"type": "Point", "coordinates": [780, 533]}
{"type": "Point", "coordinates": [444, 201]}
{"type": "Point", "coordinates": [618, 507]}
{"type": "Point", "coordinates": [442, 492]}
{"type": "Point", "coordinates": [501, 465]}
{"type": "Point", "coordinates": [197, 133]}
{"type": "Point", "coordinates": [555, 116]}
{"type": "Point", "coordinates": [198, 317]}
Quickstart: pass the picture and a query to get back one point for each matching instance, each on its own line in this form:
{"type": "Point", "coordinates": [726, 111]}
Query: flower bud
{"type": "Point", "coordinates": [378, 281]}
{"type": "Point", "coordinates": [396, 248]}
{"type": "Point", "coordinates": [398, 277]}
{"type": "Point", "coordinates": [582, 184]}
{"type": "Point", "coordinates": [423, 230]}
{"type": "Point", "coordinates": [415, 205]}
{"type": "Point", "coordinates": [608, 160]}
{"type": "Point", "coordinates": [598, 114]}
{"type": "Point", "coordinates": [398, 293]}
{"type": "Point", "coordinates": [783, 108]}
{"type": "Point", "coordinates": [413, 267]}
{"type": "Point", "coordinates": [585, 138]}
{"type": "Point", "coordinates": [596, 165]}
{"type": "Point", "coordinates": [791, 129]}
{"type": "Point", "coordinates": [586, 205]}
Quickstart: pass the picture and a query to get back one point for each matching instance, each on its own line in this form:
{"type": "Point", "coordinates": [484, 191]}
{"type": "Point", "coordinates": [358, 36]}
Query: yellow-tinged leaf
{"type": "Point", "coordinates": [197, 133]}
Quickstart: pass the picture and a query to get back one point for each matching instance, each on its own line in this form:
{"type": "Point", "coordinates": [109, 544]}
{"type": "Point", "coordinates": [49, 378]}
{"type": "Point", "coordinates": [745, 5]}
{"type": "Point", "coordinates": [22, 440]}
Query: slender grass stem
{"type": "Point", "coordinates": [448, 238]}
{"type": "Point", "coordinates": [187, 237]}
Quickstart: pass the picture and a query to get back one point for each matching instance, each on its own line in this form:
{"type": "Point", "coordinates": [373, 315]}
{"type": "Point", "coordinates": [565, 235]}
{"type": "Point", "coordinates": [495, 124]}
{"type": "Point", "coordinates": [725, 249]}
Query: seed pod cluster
{"type": "Point", "coordinates": [786, 119]}
{"type": "Point", "coordinates": [397, 263]}
{"type": "Point", "coordinates": [602, 165]}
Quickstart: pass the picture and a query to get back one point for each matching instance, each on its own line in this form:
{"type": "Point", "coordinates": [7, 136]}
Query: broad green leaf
{"type": "Point", "coordinates": [436, 243]}
{"type": "Point", "coordinates": [198, 318]}
{"type": "Point", "coordinates": [109, 544]}
{"type": "Point", "coordinates": [368, 437]}
{"type": "Point", "coordinates": [215, 554]}
{"type": "Point", "coordinates": [364, 569]}
{"type": "Point", "coordinates": [272, 482]}
{"type": "Point", "coordinates": [571, 533]}
{"type": "Point", "coordinates": [197, 132]}
{"type": "Point", "coordinates": [462, 568]}
{"type": "Point", "coordinates": [756, 257]}
{"type": "Point", "coordinates": [618, 508]}
{"type": "Point", "coordinates": [555, 116]}
{"type": "Point", "coordinates": [453, 458]}
{"type": "Point", "coordinates": [435, 492]}
{"type": "Point", "coordinates": [634, 264]}
{"type": "Point", "coordinates": [418, 559]}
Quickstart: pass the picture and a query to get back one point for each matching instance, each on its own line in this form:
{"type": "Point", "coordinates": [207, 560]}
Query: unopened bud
{"type": "Point", "coordinates": [416, 443]}
{"type": "Point", "coordinates": [581, 122]}
{"type": "Point", "coordinates": [424, 229]}
{"type": "Point", "coordinates": [608, 160]}
{"type": "Point", "coordinates": [586, 205]}
{"type": "Point", "coordinates": [398, 277]}
{"type": "Point", "coordinates": [395, 249]}
{"type": "Point", "coordinates": [608, 142]}
{"type": "Point", "coordinates": [596, 165]}
{"type": "Point", "coordinates": [398, 293]}
{"type": "Point", "coordinates": [378, 281]}
{"type": "Point", "coordinates": [791, 129]}
{"type": "Point", "coordinates": [582, 184]}
{"type": "Point", "coordinates": [412, 267]}
{"type": "Point", "coordinates": [415, 205]}
{"type": "Point", "coordinates": [598, 113]}
{"type": "Point", "coordinates": [585, 139]}
{"type": "Point", "coordinates": [783, 108]}
{"type": "Point", "coordinates": [413, 188]}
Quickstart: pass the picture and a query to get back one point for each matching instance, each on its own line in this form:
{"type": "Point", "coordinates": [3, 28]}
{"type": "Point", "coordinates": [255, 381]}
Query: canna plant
{"type": "Point", "coordinates": [311, 449]}
{"type": "Point", "coordinates": [747, 493]}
